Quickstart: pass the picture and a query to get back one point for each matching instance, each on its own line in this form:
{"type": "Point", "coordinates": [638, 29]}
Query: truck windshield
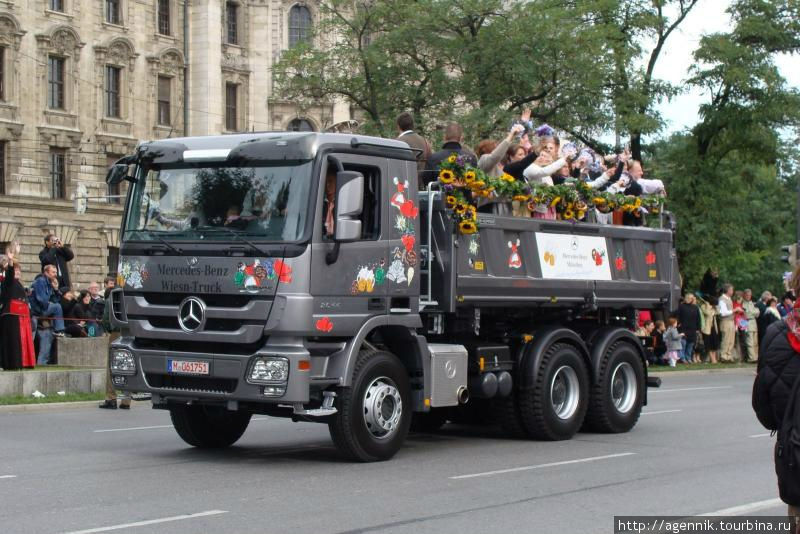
{"type": "Point", "coordinates": [212, 202]}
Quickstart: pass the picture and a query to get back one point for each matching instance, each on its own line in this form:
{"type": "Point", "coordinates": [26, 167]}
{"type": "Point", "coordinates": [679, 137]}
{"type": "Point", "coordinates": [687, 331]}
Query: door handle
{"type": "Point", "coordinates": [376, 303]}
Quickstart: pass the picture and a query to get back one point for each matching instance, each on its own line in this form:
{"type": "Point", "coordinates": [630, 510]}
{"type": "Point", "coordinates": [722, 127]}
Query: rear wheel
{"type": "Point", "coordinates": [617, 396]}
{"type": "Point", "coordinates": [373, 416]}
{"type": "Point", "coordinates": [555, 406]}
{"type": "Point", "coordinates": [209, 427]}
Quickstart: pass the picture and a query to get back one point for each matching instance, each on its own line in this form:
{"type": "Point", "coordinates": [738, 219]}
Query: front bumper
{"type": "Point", "coordinates": [227, 377]}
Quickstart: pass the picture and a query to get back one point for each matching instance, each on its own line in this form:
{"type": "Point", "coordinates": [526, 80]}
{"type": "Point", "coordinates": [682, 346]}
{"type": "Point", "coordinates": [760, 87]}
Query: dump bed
{"type": "Point", "coordinates": [516, 261]}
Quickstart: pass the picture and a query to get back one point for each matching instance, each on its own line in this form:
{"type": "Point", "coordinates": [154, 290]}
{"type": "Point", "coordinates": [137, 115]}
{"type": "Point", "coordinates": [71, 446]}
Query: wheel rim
{"type": "Point", "coordinates": [565, 392]}
{"type": "Point", "coordinates": [383, 407]}
{"type": "Point", "coordinates": [623, 387]}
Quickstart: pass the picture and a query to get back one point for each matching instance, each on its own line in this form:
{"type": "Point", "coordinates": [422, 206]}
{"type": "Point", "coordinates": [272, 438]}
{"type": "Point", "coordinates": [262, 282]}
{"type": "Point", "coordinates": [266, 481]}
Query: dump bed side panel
{"type": "Point", "coordinates": [514, 261]}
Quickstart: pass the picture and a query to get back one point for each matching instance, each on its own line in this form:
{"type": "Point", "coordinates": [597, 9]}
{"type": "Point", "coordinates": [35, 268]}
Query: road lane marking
{"type": "Point", "coordinates": [661, 411]}
{"type": "Point", "coordinates": [131, 428]}
{"type": "Point", "coordinates": [768, 434]}
{"type": "Point", "coordinates": [748, 508]}
{"type": "Point", "coordinates": [155, 427]}
{"type": "Point", "coordinates": [688, 389]}
{"type": "Point", "coordinates": [8, 476]}
{"type": "Point", "coordinates": [148, 522]}
{"type": "Point", "coordinates": [541, 466]}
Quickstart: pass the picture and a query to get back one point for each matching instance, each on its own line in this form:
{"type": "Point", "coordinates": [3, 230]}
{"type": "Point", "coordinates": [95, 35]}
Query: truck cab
{"type": "Point", "coordinates": [303, 275]}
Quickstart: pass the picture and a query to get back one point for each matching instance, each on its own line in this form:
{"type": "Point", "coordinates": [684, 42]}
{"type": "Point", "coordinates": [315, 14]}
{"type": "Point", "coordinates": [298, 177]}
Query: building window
{"type": "Point", "coordinates": [58, 173]}
{"type": "Point", "coordinates": [231, 108]}
{"type": "Point", "coordinates": [232, 22]}
{"type": "Point", "coordinates": [113, 83]}
{"type": "Point", "coordinates": [163, 17]}
{"type": "Point", "coordinates": [113, 190]}
{"type": "Point", "coordinates": [55, 82]}
{"type": "Point", "coordinates": [300, 125]}
{"type": "Point", "coordinates": [113, 12]}
{"type": "Point", "coordinates": [164, 100]}
{"type": "Point", "coordinates": [113, 261]}
{"type": "Point", "coordinates": [299, 25]}
{"type": "Point", "coordinates": [2, 73]}
{"type": "Point", "coordinates": [2, 168]}
{"type": "Point", "coordinates": [56, 5]}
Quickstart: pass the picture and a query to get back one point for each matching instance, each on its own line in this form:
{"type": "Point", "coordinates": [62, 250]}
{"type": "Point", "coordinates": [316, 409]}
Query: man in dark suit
{"type": "Point", "coordinates": [405, 125]}
{"type": "Point", "coordinates": [55, 253]}
{"type": "Point", "coordinates": [453, 134]}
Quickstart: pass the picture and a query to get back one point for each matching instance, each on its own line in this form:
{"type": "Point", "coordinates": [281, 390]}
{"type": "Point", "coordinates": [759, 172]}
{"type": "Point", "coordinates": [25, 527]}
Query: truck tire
{"type": "Point", "coordinates": [374, 414]}
{"type": "Point", "coordinates": [208, 427]}
{"type": "Point", "coordinates": [428, 422]}
{"type": "Point", "coordinates": [617, 396]}
{"type": "Point", "coordinates": [555, 406]}
{"type": "Point", "coordinates": [506, 413]}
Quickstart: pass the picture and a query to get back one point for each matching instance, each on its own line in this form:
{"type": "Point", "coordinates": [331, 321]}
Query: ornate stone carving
{"type": "Point", "coordinates": [10, 34]}
{"type": "Point", "coordinates": [62, 40]}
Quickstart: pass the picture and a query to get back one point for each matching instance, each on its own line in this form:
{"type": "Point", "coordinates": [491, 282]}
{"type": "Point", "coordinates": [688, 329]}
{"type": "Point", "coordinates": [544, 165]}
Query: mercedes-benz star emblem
{"type": "Point", "coordinates": [192, 261]}
{"type": "Point", "coordinates": [192, 314]}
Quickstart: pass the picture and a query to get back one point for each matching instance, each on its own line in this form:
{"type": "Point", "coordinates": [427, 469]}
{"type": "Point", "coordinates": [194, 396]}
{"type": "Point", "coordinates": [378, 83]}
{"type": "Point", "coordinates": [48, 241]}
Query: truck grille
{"type": "Point", "coordinates": [191, 383]}
{"type": "Point", "coordinates": [212, 325]}
{"type": "Point", "coordinates": [214, 301]}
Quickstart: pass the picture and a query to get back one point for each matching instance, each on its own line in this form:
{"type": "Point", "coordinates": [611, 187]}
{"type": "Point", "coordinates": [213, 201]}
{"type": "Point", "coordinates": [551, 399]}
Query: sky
{"type": "Point", "coordinates": [707, 17]}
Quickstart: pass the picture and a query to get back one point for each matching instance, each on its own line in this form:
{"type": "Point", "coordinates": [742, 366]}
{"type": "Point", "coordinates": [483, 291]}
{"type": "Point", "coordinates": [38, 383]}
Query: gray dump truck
{"type": "Point", "coordinates": [303, 275]}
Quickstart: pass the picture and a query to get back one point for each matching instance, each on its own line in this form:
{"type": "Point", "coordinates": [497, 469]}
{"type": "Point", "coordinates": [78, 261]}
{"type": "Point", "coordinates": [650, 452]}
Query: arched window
{"type": "Point", "coordinates": [299, 25]}
{"type": "Point", "coordinates": [300, 125]}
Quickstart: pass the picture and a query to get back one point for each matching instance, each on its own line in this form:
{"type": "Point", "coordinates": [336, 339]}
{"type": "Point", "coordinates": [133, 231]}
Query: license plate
{"type": "Point", "coordinates": [183, 367]}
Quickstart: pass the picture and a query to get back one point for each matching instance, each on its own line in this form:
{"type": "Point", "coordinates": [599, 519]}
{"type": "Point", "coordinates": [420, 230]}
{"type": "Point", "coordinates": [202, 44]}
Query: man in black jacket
{"type": "Point", "coordinates": [778, 368]}
{"type": "Point", "coordinates": [452, 144]}
{"type": "Point", "coordinates": [55, 253]}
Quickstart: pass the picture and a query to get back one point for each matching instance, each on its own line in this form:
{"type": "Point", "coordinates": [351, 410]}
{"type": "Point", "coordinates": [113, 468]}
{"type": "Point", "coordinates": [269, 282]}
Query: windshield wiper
{"type": "Point", "coordinates": [232, 232]}
{"type": "Point", "coordinates": [169, 245]}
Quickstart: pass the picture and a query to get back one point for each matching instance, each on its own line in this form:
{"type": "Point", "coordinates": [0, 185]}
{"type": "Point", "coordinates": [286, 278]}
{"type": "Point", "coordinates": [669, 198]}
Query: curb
{"type": "Point", "coordinates": [733, 371]}
{"type": "Point", "coordinates": [53, 406]}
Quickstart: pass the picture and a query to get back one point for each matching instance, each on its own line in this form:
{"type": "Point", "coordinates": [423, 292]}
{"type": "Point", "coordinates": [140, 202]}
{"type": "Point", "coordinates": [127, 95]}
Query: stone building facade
{"type": "Point", "coordinates": [83, 81]}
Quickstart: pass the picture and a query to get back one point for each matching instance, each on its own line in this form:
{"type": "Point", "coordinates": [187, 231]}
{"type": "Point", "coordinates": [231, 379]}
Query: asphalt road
{"type": "Point", "coordinates": [697, 449]}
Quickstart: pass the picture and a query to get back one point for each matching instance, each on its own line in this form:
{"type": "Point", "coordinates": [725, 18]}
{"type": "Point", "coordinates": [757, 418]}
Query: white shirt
{"type": "Point", "coordinates": [535, 174]}
{"type": "Point", "coordinates": [651, 187]}
{"type": "Point", "coordinates": [724, 309]}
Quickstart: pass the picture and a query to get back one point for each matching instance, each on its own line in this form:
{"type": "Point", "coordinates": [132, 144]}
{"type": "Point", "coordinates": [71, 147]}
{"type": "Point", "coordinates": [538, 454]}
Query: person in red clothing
{"type": "Point", "coordinates": [16, 336]}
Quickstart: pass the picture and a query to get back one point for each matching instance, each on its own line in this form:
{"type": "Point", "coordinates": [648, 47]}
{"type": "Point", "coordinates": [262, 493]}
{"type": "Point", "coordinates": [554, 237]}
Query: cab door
{"type": "Point", "coordinates": [354, 287]}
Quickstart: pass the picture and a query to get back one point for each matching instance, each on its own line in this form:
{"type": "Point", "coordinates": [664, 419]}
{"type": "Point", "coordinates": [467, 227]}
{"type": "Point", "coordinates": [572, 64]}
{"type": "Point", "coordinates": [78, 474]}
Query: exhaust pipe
{"type": "Point", "coordinates": [463, 395]}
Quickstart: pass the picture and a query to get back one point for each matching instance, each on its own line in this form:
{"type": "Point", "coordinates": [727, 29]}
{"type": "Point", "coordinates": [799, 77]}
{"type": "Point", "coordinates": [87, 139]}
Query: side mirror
{"type": "Point", "coordinates": [117, 173]}
{"type": "Point", "coordinates": [349, 203]}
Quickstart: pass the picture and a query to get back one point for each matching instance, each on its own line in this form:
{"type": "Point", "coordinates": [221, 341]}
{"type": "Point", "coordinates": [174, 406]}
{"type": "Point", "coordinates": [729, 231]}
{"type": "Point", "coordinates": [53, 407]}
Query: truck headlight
{"type": "Point", "coordinates": [122, 362]}
{"type": "Point", "coordinates": [268, 369]}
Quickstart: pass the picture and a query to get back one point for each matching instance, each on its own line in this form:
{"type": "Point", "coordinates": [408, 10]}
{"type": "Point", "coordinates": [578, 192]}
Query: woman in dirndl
{"type": "Point", "coordinates": [15, 319]}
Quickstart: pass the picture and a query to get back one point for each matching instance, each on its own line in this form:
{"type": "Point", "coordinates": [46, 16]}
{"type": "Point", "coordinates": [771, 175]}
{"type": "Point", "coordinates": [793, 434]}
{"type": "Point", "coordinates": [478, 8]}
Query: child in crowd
{"type": "Point", "coordinates": [672, 338]}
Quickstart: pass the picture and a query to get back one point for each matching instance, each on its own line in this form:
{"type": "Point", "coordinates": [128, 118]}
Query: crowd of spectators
{"type": "Point", "coordinates": [49, 308]}
{"type": "Point", "coordinates": [716, 325]}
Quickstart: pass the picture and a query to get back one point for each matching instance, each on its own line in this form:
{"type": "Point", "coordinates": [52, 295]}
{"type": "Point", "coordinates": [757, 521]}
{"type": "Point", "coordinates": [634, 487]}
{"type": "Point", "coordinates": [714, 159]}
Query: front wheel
{"type": "Point", "coordinates": [208, 427]}
{"type": "Point", "coordinates": [555, 406]}
{"type": "Point", "coordinates": [617, 396]}
{"type": "Point", "coordinates": [374, 414]}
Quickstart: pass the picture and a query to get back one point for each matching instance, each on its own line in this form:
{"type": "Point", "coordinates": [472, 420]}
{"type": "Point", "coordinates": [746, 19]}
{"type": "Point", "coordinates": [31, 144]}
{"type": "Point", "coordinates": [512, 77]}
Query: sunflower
{"type": "Point", "coordinates": [452, 158]}
{"type": "Point", "coordinates": [461, 209]}
{"type": "Point", "coordinates": [447, 177]}
{"type": "Point", "coordinates": [598, 201]}
{"type": "Point", "coordinates": [451, 200]}
{"type": "Point", "coordinates": [555, 201]}
{"type": "Point", "coordinates": [521, 198]}
{"type": "Point", "coordinates": [507, 178]}
{"type": "Point", "coordinates": [581, 205]}
{"type": "Point", "coordinates": [638, 203]}
{"type": "Point", "coordinates": [469, 177]}
{"type": "Point", "coordinates": [467, 227]}
{"type": "Point", "coordinates": [568, 214]}
{"type": "Point", "coordinates": [581, 214]}
{"type": "Point", "coordinates": [477, 185]}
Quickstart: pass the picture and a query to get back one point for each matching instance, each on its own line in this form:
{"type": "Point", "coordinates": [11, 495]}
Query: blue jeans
{"type": "Point", "coordinates": [45, 345]}
{"type": "Point", "coordinates": [54, 310]}
{"type": "Point", "coordinates": [688, 350]}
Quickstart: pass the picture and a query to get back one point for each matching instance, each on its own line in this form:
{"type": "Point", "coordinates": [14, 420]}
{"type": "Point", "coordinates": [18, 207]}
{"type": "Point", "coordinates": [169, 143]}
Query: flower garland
{"type": "Point", "coordinates": [464, 184]}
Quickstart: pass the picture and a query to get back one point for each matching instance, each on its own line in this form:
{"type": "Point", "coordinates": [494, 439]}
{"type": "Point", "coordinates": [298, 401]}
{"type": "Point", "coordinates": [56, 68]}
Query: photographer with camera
{"type": "Point", "coordinates": [55, 253]}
